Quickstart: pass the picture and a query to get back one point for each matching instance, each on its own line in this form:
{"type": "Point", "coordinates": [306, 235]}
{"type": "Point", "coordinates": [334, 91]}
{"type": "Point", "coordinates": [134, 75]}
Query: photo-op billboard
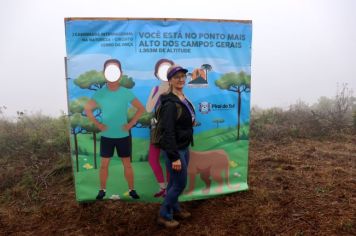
{"type": "Point", "coordinates": [217, 55]}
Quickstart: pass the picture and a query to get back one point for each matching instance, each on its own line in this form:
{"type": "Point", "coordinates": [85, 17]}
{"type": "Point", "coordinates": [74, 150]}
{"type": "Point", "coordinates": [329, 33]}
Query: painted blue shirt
{"type": "Point", "coordinates": [114, 105]}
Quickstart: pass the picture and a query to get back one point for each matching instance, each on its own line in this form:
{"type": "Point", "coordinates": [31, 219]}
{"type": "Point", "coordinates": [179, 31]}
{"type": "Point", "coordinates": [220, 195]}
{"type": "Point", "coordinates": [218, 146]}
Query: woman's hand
{"type": "Point", "coordinates": [177, 165]}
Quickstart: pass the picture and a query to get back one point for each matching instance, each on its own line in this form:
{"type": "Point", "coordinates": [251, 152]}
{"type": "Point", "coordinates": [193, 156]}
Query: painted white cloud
{"type": "Point", "coordinates": [140, 75]}
{"type": "Point", "coordinates": [85, 62]}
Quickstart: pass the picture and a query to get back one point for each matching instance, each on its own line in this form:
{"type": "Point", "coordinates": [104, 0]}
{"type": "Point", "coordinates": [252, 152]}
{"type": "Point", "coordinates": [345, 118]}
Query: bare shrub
{"type": "Point", "coordinates": [30, 147]}
{"type": "Point", "coordinates": [335, 113]}
{"type": "Point", "coordinates": [354, 119]}
{"type": "Point", "coordinates": [329, 117]}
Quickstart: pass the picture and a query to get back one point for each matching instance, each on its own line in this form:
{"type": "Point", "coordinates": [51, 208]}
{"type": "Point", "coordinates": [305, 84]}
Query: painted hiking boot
{"type": "Point", "coordinates": [169, 224]}
{"type": "Point", "coordinates": [100, 195]}
{"type": "Point", "coordinates": [133, 194]}
{"type": "Point", "coordinates": [161, 193]}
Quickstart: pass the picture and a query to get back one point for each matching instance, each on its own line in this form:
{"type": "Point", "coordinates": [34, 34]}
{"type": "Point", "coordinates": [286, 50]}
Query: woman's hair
{"type": "Point", "coordinates": [159, 62]}
{"type": "Point", "coordinates": [112, 61]}
{"type": "Point", "coordinates": [170, 89]}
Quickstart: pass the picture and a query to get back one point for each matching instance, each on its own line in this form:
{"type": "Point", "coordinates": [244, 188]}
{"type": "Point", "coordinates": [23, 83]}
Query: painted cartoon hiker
{"type": "Point", "coordinates": [113, 101]}
{"type": "Point", "coordinates": [161, 68]}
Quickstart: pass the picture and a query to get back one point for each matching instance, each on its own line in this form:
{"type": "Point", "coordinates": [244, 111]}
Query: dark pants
{"type": "Point", "coordinates": [176, 184]}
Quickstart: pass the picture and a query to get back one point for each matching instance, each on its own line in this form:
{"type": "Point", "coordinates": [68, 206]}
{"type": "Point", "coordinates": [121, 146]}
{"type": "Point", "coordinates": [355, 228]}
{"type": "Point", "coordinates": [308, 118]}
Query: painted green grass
{"type": "Point", "coordinates": [225, 138]}
{"type": "Point", "coordinates": [87, 179]}
{"type": "Point", "coordinates": [87, 183]}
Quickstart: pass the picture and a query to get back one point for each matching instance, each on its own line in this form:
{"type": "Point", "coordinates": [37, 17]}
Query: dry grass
{"type": "Point", "coordinates": [301, 187]}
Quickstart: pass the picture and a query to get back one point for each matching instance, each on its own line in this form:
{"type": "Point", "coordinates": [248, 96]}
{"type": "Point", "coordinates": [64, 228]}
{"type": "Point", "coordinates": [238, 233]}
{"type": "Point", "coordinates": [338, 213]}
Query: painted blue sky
{"type": "Point", "coordinates": [85, 56]}
{"type": "Point", "coordinates": [90, 55]}
{"type": "Point", "coordinates": [237, 57]}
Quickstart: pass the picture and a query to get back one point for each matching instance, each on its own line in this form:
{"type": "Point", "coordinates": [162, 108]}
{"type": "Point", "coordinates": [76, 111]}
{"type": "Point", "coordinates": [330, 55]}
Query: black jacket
{"type": "Point", "coordinates": [176, 133]}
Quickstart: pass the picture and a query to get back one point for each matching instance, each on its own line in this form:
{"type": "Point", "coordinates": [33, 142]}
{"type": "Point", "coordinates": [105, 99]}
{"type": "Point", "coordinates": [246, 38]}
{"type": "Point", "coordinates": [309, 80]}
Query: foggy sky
{"type": "Point", "coordinates": [301, 49]}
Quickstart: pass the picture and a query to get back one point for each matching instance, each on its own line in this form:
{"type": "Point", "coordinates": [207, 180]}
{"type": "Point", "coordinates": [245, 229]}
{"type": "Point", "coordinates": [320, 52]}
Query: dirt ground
{"type": "Point", "coordinates": [297, 187]}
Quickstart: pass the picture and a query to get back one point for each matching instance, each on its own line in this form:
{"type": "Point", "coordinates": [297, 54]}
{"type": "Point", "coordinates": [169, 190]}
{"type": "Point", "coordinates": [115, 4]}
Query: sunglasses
{"type": "Point", "coordinates": [176, 77]}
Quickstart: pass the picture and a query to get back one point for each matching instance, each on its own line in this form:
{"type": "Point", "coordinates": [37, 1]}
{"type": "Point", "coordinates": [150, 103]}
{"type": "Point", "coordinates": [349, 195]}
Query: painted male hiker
{"type": "Point", "coordinates": [113, 100]}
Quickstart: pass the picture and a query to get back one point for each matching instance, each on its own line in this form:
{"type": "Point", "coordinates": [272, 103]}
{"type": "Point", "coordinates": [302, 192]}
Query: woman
{"type": "Point", "coordinates": [177, 135]}
{"type": "Point", "coordinates": [161, 68]}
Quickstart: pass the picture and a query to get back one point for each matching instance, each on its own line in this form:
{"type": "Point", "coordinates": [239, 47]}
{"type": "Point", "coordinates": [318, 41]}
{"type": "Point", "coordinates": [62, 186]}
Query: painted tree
{"type": "Point", "coordinates": [217, 121]}
{"type": "Point", "coordinates": [144, 121]}
{"type": "Point", "coordinates": [77, 105]}
{"type": "Point", "coordinates": [94, 80]}
{"type": "Point", "coordinates": [81, 124]}
{"type": "Point", "coordinates": [91, 128]}
{"type": "Point", "coordinates": [238, 83]}
{"type": "Point", "coordinates": [127, 82]}
{"type": "Point", "coordinates": [207, 69]}
{"type": "Point", "coordinates": [76, 128]}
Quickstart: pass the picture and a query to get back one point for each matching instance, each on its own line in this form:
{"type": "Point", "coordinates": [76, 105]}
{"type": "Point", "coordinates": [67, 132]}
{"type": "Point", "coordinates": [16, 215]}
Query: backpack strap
{"type": "Point", "coordinates": [179, 110]}
{"type": "Point", "coordinates": [191, 104]}
{"type": "Point", "coordinates": [158, 108]}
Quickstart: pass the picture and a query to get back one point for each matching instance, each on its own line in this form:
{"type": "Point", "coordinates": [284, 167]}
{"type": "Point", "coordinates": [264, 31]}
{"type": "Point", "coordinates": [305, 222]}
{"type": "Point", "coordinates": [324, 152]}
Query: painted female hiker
{"type": "Point", "coordinates": [153, 100]}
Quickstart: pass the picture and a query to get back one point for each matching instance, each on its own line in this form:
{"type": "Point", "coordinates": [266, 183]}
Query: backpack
{"type": "Point", "coordinates": [156, 124]}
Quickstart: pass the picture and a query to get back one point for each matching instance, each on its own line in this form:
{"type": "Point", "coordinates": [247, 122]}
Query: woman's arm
{"type": "Point", "coordinates": [151, 101]}
{"type": "Point", "coordinates": [169, 116]}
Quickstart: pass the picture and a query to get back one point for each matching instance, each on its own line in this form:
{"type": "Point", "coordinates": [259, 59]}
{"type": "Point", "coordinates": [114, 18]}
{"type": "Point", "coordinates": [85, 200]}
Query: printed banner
{"type": "Point", "coordinates": [217, 54]}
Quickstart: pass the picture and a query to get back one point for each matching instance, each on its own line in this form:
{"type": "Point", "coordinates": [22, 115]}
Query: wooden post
{"type": "Point", "coordinates": [94, 137]}
{"type": "Point", "coordinates": [76, 151]}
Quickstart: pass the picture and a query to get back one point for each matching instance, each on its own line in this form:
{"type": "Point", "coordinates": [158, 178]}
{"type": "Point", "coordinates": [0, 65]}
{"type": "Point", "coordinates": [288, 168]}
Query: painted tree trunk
{"type": "Point", "coordinates": [94, 139]}
{"type": "Point", "coordinates": [238, 115]}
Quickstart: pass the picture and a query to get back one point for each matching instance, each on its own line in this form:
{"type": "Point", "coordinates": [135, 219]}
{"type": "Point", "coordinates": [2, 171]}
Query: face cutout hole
{"type": "Point", "coordinates": [112, 73]}
{"type": "Point", "coordinates": [162, 71]}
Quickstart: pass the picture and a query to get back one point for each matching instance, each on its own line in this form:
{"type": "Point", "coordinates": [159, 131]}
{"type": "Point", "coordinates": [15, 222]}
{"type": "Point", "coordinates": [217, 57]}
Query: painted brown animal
{"type": "Point", "coordinates": [209, 164]}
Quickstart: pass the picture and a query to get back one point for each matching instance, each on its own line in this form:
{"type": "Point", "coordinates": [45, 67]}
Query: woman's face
{"type": "Point", "coordinates": [112, 72]}
{"type": "Point", "coordinates": [162, 71]}
{"type": "Point", "coordinates": [178, 80]}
